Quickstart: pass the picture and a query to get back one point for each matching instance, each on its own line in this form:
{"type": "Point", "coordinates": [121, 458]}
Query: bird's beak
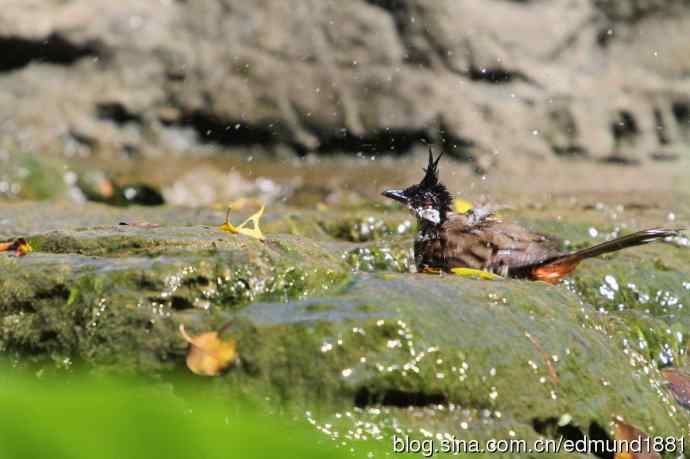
{"type": "Point", "coordinates": [398, 195]}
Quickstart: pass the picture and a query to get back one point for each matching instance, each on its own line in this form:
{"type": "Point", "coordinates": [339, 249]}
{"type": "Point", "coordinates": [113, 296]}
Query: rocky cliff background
{"type": "Point", "coordinates": [493, 80]}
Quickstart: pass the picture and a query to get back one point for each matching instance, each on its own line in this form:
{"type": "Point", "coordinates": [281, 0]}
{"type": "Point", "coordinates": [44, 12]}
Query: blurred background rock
{"type": "Point", "coordinates": [495, 81]}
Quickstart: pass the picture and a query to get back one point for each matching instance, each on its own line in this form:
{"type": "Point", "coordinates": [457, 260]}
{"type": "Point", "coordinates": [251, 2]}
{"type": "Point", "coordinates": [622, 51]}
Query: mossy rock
{"type": "Point", "coordinates": [341, 330]}
{"type": "Point", "coordinates": [437, 352]}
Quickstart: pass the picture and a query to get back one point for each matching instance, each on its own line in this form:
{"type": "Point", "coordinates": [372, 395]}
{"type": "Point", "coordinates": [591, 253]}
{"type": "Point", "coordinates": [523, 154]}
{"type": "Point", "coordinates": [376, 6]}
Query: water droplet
{"type": "Point", "coordinates": [493, 394]}
{"type": "Point", "coordinates": [564, 420]}
{"type": "Point", "coordinates": [611, 281]}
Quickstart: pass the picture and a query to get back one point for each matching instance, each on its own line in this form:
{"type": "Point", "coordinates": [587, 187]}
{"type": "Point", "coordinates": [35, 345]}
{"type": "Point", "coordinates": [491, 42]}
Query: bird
{"type": "Point", "coordinates": [479, 240]}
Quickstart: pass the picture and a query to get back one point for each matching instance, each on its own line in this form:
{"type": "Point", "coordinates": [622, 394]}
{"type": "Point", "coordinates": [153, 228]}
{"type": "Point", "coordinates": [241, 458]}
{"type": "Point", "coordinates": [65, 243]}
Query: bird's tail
{"type": "Point", "coordinates": [554, 269]}
{"type": "Point", "coordinates": [631, 240]}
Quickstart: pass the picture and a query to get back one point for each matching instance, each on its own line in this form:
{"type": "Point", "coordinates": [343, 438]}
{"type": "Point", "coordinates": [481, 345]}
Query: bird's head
{"type": "Point", "coordinates": [429, 200]}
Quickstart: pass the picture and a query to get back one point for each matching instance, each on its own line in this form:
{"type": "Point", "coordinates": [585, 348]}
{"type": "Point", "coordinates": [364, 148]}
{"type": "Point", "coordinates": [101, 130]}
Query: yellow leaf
{"type": "Point", "coordinates": [208, 355]}
{"type": "Point", "coordinates": [251, 232]}
{"type": "Point", "coordinates": [469, 272]}
{"type": "Point", "coordinates": [23, 248]}
{"type": "Point", "coordinates": [20, 247]}
{"type": "Point", "coordinates": [461, 206]}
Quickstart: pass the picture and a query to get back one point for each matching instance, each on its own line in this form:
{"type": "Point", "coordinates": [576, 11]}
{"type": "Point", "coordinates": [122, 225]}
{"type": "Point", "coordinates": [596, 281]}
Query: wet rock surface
{"type": "Point", "coordinates": [328, 320]}
{"type": "Point", "coordinates": [577, 79]}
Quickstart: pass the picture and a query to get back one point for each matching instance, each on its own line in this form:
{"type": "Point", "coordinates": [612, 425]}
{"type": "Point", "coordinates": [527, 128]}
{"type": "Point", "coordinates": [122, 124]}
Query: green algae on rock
{"type": "Point", "coordinates": [436, 352]}
{"type": "Point", "coordinates": [652, 301]}
{"type": "Point", "coordinates": [366, 354]}
{"type": "Point", "coordinates": [395, 257]}
{"type": "Point", "coordinates": [97, 305]}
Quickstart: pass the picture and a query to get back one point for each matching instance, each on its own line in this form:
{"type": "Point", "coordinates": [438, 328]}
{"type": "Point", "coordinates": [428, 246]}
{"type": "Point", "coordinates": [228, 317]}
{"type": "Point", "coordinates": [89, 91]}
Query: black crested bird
{"type": "Point", "coordinates": [477, 239]}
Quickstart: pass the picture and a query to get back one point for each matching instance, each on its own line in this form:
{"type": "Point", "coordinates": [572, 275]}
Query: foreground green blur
{"type": "Point", "coordinates": [74, 418]}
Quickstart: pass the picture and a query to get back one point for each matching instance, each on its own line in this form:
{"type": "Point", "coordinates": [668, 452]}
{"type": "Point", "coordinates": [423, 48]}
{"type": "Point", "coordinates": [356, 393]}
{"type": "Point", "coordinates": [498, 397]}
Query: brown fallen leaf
{"type": "Point", "coordinates": [553, 374]}
{"type": "Point", "coordinates": [140, 224]}
{"type": "Point", "coordinates": [638, 449]}
{"type": "Point", "coordinates": [678, 384]}
{"type": "Point", "coordinates": [208, 355]}
{"type": "Point", "coordinates": [241, 229]}
{"type": "Point", "coordinates": [20, 247]}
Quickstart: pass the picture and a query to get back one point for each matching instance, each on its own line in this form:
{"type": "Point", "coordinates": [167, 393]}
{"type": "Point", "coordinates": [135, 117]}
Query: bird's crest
{"type": "Point", "coordinates": [430, 179]}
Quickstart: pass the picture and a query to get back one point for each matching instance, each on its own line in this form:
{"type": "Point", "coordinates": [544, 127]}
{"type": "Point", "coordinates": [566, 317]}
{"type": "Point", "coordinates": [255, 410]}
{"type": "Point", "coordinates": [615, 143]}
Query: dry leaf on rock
{"type": "Point", "coordinates": [461, 206]}
{"type": "Point", "coordinates": [140, 224]}
{"type": "Point", "coordinates": [478, 273]}
{"type": "Point", "coordinates": [553, 374]}
{"type": "Point", "coordinates": [208, 354]}
{"type": "Point", "coordinates": [679, 385]}
{"type": "Point", "coordinates": [625, 434]}
{"type": "Point", "coordinates": [20, 247]}
{"type": "Point", "coordinates": [241, 229]}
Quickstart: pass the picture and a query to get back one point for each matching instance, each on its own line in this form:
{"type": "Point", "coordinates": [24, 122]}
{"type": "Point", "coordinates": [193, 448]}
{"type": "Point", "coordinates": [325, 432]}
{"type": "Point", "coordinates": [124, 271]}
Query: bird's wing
{"type": "Point", "coordinates": [492, 245]}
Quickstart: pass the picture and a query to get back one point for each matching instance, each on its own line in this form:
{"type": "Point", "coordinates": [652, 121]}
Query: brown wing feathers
{"type": "Point", "coordinates": [510, 249]}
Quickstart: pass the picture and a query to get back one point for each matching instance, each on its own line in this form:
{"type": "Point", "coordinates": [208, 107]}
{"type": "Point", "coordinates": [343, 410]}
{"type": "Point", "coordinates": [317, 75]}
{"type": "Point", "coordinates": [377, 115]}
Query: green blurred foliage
{"type": "Point", "coordinates": [86, 417]}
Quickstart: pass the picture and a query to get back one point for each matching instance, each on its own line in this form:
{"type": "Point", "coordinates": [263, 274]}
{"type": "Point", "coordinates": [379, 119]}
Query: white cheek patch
{"type": "Point", "coordinates": [429, 214]}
